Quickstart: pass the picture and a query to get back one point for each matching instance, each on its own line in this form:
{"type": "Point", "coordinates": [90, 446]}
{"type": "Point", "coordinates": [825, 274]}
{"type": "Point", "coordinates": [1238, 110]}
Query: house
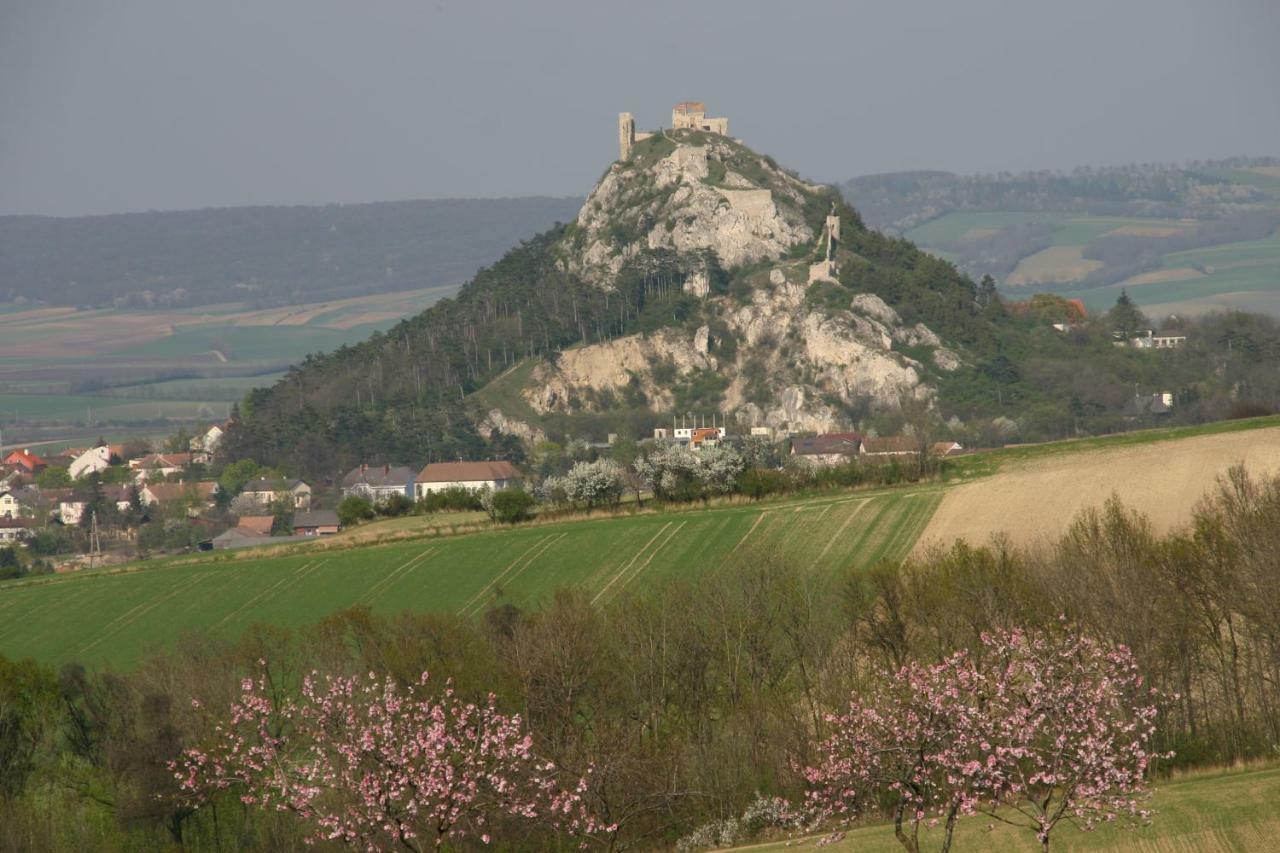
{"type": "Point", "coordinates": [121, 496]}
{"type": "Point", "coordinates": [204, 445]}
{"type": "Point", "coordinates": [9, 505]}
{"type": "Point", "coordinates": [157, 465]}
{"type": "Point", "coordinates": [24, 460]}
{"type": "Point", "coordinates": [93, 460]}
{"type": "Point", "coordinates": [70, 508]}
{"type": "Point", "coordinates": [1148, 339]}
{"type": "Point", "coordinates": [265, 492]}
{"type": "Point", "coordinates": [705, 437]}
{"type": "Point", "coordinates": [833, 448]}
{"type": "Point", "coordinates": [316, 522]}
{"type": "Point", "coordinates": [762, 432]}
{"type": "Point", "coordinates": [379, 482]}
{"type": "Point", "coordinates": [13, 530]}
{"type": "Point", "coordinates": [476, 476]}
{"type": "Point", "coordinates": [890, 446]}
{"type": "Point", "coordinates": [200, 494]}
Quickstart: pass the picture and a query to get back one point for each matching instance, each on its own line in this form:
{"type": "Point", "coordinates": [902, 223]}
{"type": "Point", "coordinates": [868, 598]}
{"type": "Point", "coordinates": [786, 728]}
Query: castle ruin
{"type": "Point", "coordinates": [686, 115]}
{"type": "Point", "coordinates": [827, 268]}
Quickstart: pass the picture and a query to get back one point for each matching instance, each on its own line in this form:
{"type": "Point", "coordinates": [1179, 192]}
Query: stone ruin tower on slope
{"type": "Point", "coordinates": [691, 115]}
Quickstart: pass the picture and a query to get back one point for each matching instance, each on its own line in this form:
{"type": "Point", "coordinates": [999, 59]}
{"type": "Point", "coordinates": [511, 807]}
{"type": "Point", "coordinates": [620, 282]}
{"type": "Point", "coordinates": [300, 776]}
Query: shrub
{"type": "Point", "coordinates": [354, 509]}
{"type": "Point", "coordinates": [510, 505]}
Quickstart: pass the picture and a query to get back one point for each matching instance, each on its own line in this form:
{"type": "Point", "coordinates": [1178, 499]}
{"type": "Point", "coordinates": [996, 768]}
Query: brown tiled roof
{"type": "Point", "coordinates": [453, 472]}
{"type": "Point", "coordinates": [165, 492]}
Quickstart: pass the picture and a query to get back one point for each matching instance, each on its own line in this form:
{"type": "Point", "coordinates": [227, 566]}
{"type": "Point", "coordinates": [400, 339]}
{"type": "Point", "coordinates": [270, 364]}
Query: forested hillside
{"type": "Point", "coordinates": [263, 256]}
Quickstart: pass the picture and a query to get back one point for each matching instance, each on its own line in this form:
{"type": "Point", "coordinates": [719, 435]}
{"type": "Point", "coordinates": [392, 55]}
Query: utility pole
{"type": "Point", "coordinates": [95, 540]}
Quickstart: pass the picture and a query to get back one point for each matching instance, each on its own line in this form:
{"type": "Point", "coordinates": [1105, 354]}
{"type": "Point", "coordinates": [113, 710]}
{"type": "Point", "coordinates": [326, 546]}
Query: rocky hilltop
{"type": "Point", "coordinates": [699, 277]}
{"type": "Point", "coordinates": [771, 350]}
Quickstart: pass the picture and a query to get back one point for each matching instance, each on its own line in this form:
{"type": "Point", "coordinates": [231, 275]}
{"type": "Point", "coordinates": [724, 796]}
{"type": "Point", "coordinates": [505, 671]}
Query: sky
{"type": "Point", "coordinates": [136, 105]}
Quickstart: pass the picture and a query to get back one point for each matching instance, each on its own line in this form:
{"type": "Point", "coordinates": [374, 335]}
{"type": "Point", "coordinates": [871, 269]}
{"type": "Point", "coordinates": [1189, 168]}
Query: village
{"type": "Point", "coordinates": [86, 507]}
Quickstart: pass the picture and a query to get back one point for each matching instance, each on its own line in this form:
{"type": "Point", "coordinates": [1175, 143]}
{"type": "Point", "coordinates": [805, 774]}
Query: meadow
{"type": "Point", "coordinates": [117, 617]}
{"type": "Point", "coordinates": [1207, 812]}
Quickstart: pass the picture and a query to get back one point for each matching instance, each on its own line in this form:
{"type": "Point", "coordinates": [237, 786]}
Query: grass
{"type": "Point", "coordinates": [116, 617]}
{"type": "Point", "coordinates": [1219, 811]}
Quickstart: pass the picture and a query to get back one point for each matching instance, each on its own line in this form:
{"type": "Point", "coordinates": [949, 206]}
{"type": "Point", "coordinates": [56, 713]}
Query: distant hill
{"type": "Point", "coordinates": [1183, 239]}
{"type": "Point", "coordinates": [262, 256]}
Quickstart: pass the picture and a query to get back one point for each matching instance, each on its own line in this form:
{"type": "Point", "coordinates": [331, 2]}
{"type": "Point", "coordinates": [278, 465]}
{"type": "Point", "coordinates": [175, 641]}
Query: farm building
{"type": "Point", "coordinates": [379, 482]}
{"type": "Point", "coordinates": [260, 524]}
{"type": "Point", "coordinates": [890, 446]}
{"type": "Point", "coordinates": [476, 476]}
{"type": "Point", "coordinates": [316, 522]}
{"type": "Point", "coordinates": [833, 448]}
{"type": "Point", "coordinates": [94, 460]}
{"type": "Point", "coordinates": [946, 448]}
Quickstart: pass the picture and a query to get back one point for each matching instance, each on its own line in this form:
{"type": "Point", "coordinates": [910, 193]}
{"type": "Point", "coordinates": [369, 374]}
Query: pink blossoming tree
{"type": "Point", "coordinates": [911, 740]}
{"type": "Point", "coordinates": [1049, 728]}
{"type": "Point", "coordinates": [376, 767]}
{"type": "Point", "coordinates": [1070, 722]}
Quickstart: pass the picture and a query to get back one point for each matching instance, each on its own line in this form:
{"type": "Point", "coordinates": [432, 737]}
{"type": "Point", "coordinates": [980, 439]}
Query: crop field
{"type": "Point", "coordinates": [1209, 813]}
{"type": "Point", "coordinates": [1037, 496]}
{"type": "Point", "coordinates": [112, 366]}
{"type": "Point", "coordinates": [106, 617]}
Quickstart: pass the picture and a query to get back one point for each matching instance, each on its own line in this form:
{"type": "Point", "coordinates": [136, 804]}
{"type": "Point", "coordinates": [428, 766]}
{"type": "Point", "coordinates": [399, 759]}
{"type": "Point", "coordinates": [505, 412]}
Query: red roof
{"type": "Point", "coordinates": [26, 459]}
{"type": "Point", "coordinates": [467, 472]}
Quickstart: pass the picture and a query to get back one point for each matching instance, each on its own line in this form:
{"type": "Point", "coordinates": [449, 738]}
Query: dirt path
{"type": "Point", "coordinates": [1038, 499]}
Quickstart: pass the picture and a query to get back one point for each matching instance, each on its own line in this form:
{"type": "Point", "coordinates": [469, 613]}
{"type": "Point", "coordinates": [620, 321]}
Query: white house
{"type": "Point", "coordinates": [157, 465]}
{"type": "Point", "coordinates": [379, 482]}
{"type": "Point", "coordinates": [206, 444]}
{"type": "Point", "coordinates": [12, 530]}
{"type": "Point", "coordinates": [9, 506]}
{"type": "Point", "coordinates": [92, 461]}
{"type": "Point", "coordinates": [476, 476]}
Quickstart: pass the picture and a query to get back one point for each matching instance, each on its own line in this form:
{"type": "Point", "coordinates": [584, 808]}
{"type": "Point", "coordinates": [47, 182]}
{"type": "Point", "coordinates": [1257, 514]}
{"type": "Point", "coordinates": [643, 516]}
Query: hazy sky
{"type": "Point", "coordinates": [120, 105]}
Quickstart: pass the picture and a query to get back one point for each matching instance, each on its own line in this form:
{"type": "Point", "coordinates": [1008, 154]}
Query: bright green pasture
{"type": "Point", "coordinates": [1073, 229]}
{"type": "Point", "coordinates": [115, 618]}
{"type": "Point", "coordinates": [1211, 813]}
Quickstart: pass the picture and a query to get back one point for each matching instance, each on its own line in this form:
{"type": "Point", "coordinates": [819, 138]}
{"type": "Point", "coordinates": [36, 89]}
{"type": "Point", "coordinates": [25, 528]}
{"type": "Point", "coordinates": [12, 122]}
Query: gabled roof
{"type": "Point", "coordinates": [161, 460]}
{"type": "Point", "coordinates": [824, 445]}
{"type": "Point", "coordinates": [25, 458]}
{"type": "Point", "coordinates": [262, 484]}
{"type": "Point", "coordinates": [315, 518]}
{"type": "Point", "coordinates": [378, 475]}
{"type": "Point", "coordinates": [891, 444]}
{"type": "Point", "coordinates": [165, 492]}
{"type": "Point", "coordinates": [463, 472]}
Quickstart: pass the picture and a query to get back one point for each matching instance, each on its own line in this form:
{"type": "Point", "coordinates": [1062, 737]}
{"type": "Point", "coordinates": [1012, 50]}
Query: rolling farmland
{"type": "Point", "coordinates": [118, 617]}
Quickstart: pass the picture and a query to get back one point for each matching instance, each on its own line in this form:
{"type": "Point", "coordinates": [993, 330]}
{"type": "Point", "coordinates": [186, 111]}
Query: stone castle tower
{"type": "Point", "coordinates": [690, 115]}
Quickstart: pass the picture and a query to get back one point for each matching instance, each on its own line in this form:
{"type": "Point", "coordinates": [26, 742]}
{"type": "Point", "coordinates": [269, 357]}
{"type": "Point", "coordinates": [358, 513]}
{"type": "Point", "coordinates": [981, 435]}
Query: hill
{"type": "Point", "coordinates": [260, 256]}
{"type": "Point", "coordinates": [1182, 239]}
{"type": "Point", "coordinates": [702, 279]}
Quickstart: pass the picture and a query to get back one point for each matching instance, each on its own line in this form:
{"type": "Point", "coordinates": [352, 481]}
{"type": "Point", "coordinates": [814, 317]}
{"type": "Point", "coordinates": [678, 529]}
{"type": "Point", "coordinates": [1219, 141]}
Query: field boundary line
{"type": "Point", "coordinates": [134, 614]}
{"type": "Point", "coordinates": [262, 594]}
{"type": "Point", "coordinates": [382, 585]}
{"type": "Point", "coordinates": [629, 563]}
{"type": "Point", "coordinates": [467, 605]}
{"type": "Point", "coordinates": [752, 529]}
{"type": "Point", "coordinates": [475, 608]}
{"type": "Point", "coordinates": [835, 536]}
{"type": "Point", "coordinates": [664, 543]}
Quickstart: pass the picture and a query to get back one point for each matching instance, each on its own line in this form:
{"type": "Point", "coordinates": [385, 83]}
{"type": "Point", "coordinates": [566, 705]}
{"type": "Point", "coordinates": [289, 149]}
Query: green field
{"type": "Point", "coordinates": [106, 617]}
{"type": "Point", "coordinates": [1224, 811]}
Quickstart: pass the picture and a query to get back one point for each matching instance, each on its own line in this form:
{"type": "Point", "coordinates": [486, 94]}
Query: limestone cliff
{"type": "Point", "coordinates": [775, 351]}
